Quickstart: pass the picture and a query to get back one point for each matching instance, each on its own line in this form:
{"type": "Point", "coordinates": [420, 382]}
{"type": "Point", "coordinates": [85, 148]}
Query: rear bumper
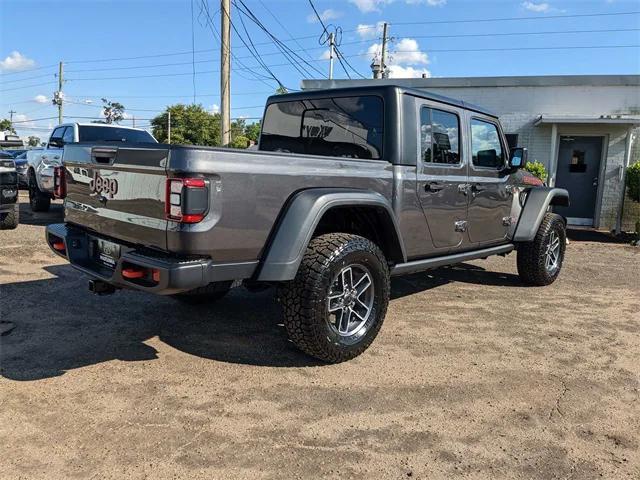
{"type": "Point", "coordinates": [166, 275]}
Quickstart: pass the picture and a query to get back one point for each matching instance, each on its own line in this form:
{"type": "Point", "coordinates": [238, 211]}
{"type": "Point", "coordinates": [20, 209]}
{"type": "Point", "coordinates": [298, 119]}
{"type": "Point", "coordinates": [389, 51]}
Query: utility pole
{"type": "Point", "coordinates": [59, 92]}
{"type": "Point", "coordinates": [169, 126]}
{"type": "Point", "coordinates": [134, 121]}
{"type": "Point", "coordinates": [383, 65]}
{"type": "Point", "coordinates": [225, 71]}
{"type": "Point", "coordinates": [331, 54]}
{"type": "Point", "coordinates": [11, 112]}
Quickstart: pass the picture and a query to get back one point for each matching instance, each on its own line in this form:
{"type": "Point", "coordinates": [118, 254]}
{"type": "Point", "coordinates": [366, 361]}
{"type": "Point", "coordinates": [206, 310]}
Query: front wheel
{"type": "Point", "coordinates": [540, 261]}
{"type": "Point", "coordinates": [335, 306]}
{"type": "Point", "coordinates": [9, 220]}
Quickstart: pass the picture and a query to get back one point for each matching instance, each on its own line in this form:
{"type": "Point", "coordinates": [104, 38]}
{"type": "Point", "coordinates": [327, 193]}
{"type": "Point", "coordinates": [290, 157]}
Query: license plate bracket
{"type": "Point", "coordinates": [106, 253]}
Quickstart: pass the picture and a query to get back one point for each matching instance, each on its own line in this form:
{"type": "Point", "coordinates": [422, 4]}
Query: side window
{"type": "Point", "coordinates": [439, 137]}
{"type": "Point", "coordinates": [486, 148]}
{"type": "Point", "coordinates": [68, 135]}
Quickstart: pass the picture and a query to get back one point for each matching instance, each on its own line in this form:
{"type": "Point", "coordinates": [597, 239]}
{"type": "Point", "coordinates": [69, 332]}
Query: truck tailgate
{"type": "Point", "coordinates": [118, 191]}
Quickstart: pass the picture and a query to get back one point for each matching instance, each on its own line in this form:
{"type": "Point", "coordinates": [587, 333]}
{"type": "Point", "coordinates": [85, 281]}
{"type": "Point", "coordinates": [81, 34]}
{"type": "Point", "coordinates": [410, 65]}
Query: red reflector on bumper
{"type": "Point", "coordinates": [59, 246]}
{"type": "Point", "coordinates": [133, 273]}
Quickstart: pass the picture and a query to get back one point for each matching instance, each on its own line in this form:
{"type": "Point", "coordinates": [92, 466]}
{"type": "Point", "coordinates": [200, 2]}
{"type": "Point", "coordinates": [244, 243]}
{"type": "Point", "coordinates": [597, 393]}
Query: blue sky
{"type": "Point", "coordinates": [88, 34]}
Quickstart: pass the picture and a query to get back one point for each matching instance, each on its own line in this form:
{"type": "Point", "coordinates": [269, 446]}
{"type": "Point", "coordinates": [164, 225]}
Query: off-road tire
{"type": "Point", "coordinates": [531, 255]}
{"type": "Point", "coordinates": [38, 200]}
{"type": "Point", "coordinates": [9, 220]}
{"type": "Point", "coordinates": [207, 294]}
{"type": "Point", "coordinates": [304, 299]}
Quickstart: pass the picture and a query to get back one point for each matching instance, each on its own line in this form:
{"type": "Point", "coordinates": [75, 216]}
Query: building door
{"type": "Point", "coordinates": [578, 172]}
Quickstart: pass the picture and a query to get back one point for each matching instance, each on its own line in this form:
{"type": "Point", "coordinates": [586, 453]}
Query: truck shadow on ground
{"type": "Point", "coordinates": [29, 217]}
{"type": "Point", "coordinates": [60, 326]}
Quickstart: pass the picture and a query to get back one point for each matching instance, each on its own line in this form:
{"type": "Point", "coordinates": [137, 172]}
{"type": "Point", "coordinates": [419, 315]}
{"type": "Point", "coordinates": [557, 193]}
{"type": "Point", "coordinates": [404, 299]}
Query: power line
{"type": "Point", "coordinates": [290, 54]}
{"type": "Point", "coordinates": [508, 19]}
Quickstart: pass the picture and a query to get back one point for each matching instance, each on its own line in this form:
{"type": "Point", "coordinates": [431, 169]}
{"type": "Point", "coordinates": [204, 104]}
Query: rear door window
{"type": "Point", "coordinates": [439, 137]}
{"type": "Point", "coordinates": [486, 147]}
{"type": "Point", "coordinates": [338, 127]}
{"type": "Point", "coordinates": [89, 133]}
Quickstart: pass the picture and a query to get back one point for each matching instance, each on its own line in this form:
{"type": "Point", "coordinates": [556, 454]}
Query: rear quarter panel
{"type": "Point", "coordinates": [250, 190]}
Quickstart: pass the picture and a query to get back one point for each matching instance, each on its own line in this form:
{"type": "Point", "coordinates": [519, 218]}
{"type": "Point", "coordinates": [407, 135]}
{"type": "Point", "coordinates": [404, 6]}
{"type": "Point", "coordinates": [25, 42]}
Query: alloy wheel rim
{"type": "Point", "coordinates": [552, 253]}
{"type": "Point", "coordinates": [350, 300]}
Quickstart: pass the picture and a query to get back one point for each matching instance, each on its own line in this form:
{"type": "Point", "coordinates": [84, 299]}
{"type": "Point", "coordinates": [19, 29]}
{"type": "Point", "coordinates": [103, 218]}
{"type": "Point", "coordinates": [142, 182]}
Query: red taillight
{"type": "Point", "coordinates": [59, 246]}
{"type": "Point", "coordinates": [59, 182]}
{"type": "Point", "coordinates": [186, 199]}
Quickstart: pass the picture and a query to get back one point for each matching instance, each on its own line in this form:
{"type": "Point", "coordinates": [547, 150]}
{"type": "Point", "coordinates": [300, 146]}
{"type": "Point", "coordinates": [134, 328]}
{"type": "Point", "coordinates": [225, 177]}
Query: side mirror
{"type": "Point", "coordinates": [518, 158]}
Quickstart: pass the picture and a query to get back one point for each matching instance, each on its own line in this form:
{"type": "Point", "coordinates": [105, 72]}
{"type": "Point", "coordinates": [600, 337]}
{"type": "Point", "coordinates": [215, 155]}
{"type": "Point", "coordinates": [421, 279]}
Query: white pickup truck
{"type": "Point", "coordinates": [42, 163]}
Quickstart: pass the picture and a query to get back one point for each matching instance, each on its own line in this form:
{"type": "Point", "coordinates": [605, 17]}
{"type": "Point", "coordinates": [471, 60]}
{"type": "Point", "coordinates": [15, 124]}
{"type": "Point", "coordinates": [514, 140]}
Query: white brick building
{"type": "Point", "coordinates": [583, 128]}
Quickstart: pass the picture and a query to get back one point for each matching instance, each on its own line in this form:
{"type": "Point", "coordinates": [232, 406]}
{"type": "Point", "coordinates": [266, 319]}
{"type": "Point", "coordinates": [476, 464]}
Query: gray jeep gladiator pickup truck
{"type": "Point", "coordinates": [347, 188]}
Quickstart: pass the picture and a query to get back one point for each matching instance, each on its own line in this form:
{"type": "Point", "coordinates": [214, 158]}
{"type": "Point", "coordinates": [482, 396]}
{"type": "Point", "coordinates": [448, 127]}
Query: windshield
{"type": "Point", "coordinates": [114, 134]}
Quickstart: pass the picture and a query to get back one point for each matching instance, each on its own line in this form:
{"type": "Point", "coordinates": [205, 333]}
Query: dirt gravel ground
{"type": "Point", "coordinates": [473, 376]}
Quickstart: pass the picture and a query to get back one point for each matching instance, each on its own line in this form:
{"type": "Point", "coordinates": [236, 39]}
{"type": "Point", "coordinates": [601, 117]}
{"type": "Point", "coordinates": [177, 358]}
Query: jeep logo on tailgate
{"type": "Point", "coordinates": [104, 186]}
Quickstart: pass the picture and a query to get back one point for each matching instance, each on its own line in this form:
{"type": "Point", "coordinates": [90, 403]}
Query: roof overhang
{"type": "Point", "coordinates": [601, 120]}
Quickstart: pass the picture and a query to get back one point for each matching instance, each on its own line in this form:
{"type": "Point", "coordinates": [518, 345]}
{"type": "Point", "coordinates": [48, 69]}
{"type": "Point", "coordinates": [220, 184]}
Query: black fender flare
{"type": "Point", "coordinates": [537, 204]}
{"type": "Point", "coordinates": [299, 221]}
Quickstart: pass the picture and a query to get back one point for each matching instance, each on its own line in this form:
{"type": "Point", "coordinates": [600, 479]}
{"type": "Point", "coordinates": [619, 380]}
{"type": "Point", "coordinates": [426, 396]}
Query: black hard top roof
{"type": "Point", "coordinates": [381, 90]}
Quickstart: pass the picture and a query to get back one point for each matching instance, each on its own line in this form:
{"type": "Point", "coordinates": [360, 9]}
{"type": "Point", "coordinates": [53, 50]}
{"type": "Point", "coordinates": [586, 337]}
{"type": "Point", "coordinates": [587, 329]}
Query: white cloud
{"type": "Point", "coordinates": [41, 99]}
{"type": "Point", "coordinates": [326, 16]}
{"type": "Point", "coordinates": [537, 7]}
{"type": "Point", "coordinates": [397, 71]}
{"type": "Point", "coordinates": [325, 55]}
{"type": "Point", "coordinates": [215, 108]}
{"type": "Point", "coordinates": [406, 51]}
{"type": "Point", "coordinates": [16, 62]}
{"type": "Point", "coordinates": [367, 32]}
{"type": "Point", "coordinates": [368, 6]}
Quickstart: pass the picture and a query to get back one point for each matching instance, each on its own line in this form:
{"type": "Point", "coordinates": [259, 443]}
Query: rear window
{"type": "Point", "coordinates": [114, 134]}
{"type": "Point", "coordinates": [337, 127]}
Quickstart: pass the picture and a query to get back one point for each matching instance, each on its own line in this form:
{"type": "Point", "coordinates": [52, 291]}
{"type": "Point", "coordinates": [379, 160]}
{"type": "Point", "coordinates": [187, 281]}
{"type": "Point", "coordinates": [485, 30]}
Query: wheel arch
{"type": "Point", "coordinates": [316, 211]}
{"type": "Point", "coordinates": [538, 201]}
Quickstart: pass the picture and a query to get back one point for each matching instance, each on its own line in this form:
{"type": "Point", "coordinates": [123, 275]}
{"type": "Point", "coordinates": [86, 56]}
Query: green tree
{"type": "Point", "coordinates": [239, 142]}
{"type": "Point", "coordinates": [33, 141]}
{"type": "Point", "coordinates": [237, 127]}
{"type": "Point", "coordinates": [113, 111]}
{"type": "Point", "coordinates": [190, 125]}
{"type": "Point", "coordinates": [5, 126]}
{"type": "Point", "coordinates": [252, 131]}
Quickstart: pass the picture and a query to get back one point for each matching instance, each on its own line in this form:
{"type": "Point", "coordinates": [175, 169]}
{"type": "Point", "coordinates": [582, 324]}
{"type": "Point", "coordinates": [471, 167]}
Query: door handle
{"type": "Point", "coordinates": [433, 187]}
{"type": "Point", "coordinates": [56, 157]}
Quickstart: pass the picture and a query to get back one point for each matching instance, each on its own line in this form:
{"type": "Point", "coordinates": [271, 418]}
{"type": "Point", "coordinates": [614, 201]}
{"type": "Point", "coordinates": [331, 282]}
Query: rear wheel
{"type": "Point", "coordinates": [9, 220]}
{"type": "Point", "coordinates": [335, 307]}
{"type": "Point", "coordinates": [39, 201]}
{"type": "Point", "coordinates": [540, 261]}
{"type": "Point", "coordinates": [207, 294]}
